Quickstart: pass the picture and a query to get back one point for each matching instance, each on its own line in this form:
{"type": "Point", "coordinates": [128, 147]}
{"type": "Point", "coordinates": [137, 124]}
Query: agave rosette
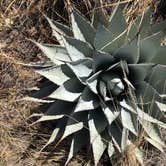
{"type": "Point", "coordinates": [104, 83]}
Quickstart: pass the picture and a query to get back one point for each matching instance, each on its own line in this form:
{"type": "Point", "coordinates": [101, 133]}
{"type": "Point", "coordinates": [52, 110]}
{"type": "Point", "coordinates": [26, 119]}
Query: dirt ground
{"type": "Point", "coordinates": [20, 142]}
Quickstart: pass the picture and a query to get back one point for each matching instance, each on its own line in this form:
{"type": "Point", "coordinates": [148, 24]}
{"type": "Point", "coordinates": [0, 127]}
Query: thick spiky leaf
{"type": "Point", "coordinates": [119, 67]}
{"type": "Point", "coordinates": [60, 107]}
{"type": "Point", "coordinates": [102, 61]}
{"type": "Point", "coordinates": [92, 82]}
{"type": "Point", "coordinates": [146, 93]}
{"type": "Point", "coordinates": [138, 72]}
{"type": "Point", "coordinates": [124, 140]}
{"type": "Point", "coordinates": [40, 64]}
{"type": "Point", "coordinates": [96, 126]}
{"type": "Point", "coordinates": [55, 53]}
{"type": "Point", "coordinates": [141, 114]}
{"type": "Point", "coordinates": [152, 131]}
{"type": "Point", "coordinates": [145, 20]}
{"type": "Point", "coordinates": [56, 74]}
{"type": "Point", "coordinates": [82, 68]}
{"type": "Point", "coordinates": [44, 91]}
{"type": "Point", "coordinates": [33, 99]}
{"type": "Point", "coordinates": [155, 144]}
{"type": "Point", "coordinates": [127, 106]}
{"type": "Point", "coordinates": [103, 37]}
{"type": "Point", "coordinates": [115, 131]}
{"type": "Point", "coordinates": [127, 121]}
{"type": "Point", "coordinates": [82, 29]}
{"type": "Point", "coordinates": [98, 15]}
{"type": "Point", "coordinates": [110, 114]}
{"type": "Point", "coordinates": [77, 49]}
{"type": "Point", "coordinates": [49, 117]}
{"type": "Point", "coordinates": [79, 140]}
{"type": "Point", "coordinates": [87, 101]}
{"type": "Point", "coordinates": [133, 28]}
{"type": "Point", "coordinates": [153, 110]}
{"type": "Point", "coordinates": [75, 123]}
{"type": "Point", "coordinates": [149, 47]}
{"type": "Point", "coordinates": [57, 132]}
{"type": "Point", "coordinates": [160, 57]}
{"type": "Point", "coordinates": [72, 128]}
{"type": "Point", "coordinates": [143, 25]}
{"type": "Point", "coordinates": [161, 106]}
{"type": "Point", "coordinates": [160, 26]}
{"type": "Point", "coordinates": [69, 91]}
{"type": "Point", "coordinates": [58, 30]}
{"type": "Point", "coordinates": [116, 43]}
{"type": "Point", "coordinates": [130, 52]}
{"type": "Point", "coordinates": [114, 83]}
{"type": "Point", "coordinates": [157, 78]}
{"type": "Point", "coordinates": [117, 31]}
{"type": "Point", "coordinates": [99, 119]}
{"type": "Point", "coordinates": [145, 116]}
{"type": "Point", "coordinates": [117, 23]}
{"type": "Point", "coordinates": [110, 149]}
{"type": "Point", "coordinates": [139, 155]}
{"type": "Point", "coordinates": [102, 88]}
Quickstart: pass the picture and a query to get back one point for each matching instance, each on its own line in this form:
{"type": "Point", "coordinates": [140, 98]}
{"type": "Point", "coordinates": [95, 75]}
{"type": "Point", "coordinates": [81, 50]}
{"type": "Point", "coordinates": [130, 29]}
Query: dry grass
{"type": "Point", "coordinates": [19, 141]}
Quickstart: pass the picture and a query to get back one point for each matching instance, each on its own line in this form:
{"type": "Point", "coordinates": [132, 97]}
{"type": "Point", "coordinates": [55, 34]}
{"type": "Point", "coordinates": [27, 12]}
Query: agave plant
{"type": "Point", "coordinates": [104, 84]}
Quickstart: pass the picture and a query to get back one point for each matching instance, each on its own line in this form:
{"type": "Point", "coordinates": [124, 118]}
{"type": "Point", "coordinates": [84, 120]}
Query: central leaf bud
{"type": "Point", "coordinates": [110, 85]}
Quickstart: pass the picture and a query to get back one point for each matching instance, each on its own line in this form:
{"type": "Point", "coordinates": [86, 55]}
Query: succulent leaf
{"type": "Point", "coordinates": [160, 57]}
{"type": "Point", "coordinates": [110, 116]}
{"type": "Point", "coordinates": [75, 123]}
{"type": "Point", "coordinates": [55, 53]}
{"type": "Point", "coordinates": [82, 29]}
{"type": "Point", "coordinates": [161, 106]}
{"type": "Point", "coordinates": [58, 30]}
{"type": "Point", "coordinates": [98, 15]}
{"type": "Point", "coordinates": [69, 91]}
{"type": "Point", "coordinates": [44, 91]}
{"type": "Point", "coordinates": [153, 132]}
{"type": "Point", "coordinates": [102, 61]}
{"type": "Point", "coordinates": [37, 100]}
{"type": "Point", "coordinates": [145, 28]}
{"type": "Point", "coordinates": [117, 22]}
{"type": "Point", "coordinates": [78, 143]}
{"type": "Point", "coordinates": [96, 126]}
{"type": "Point", "coordinates": [146, 92]}
{"type": "Point", "coordinates": [159, 27]}
{"type": "Point", "coordinates": [77, 49]}
{"type": "Point", "coordinates": [157, 78]}
{"type": "Point", "coordinates": [56, 74]}
{"type": "Point", "coordinates": [149, 47]}
{"type": "Point", "coordinates": [155, 144]}
{"type": "Point", "coordinates": [104, 83]}
{"type": "Point", "coordinates": [87, 101]}
{"type": "Point", "coordinates": [127, 121]}
{"type": "Point", "coordinates": [82, 69]}
{"type": "Point", "coordinates": [104, 36]}
{"type": "Point", "coordinates": [115, 132]}
{"type": "Point", "coordinates": [130, 53]}
{"type": "Point", "coordinates": [110, 149]}
{"type": "Point", "coordinates": [125, 134]}
{"type": "Point", "coordinates": [98, 145]}
{"type": "Point", "coordinates": [138, 72]}
{"type": "Point", "coordinates": [92, 82]}
{"type": "Point", "coordinates": [60, 107]}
